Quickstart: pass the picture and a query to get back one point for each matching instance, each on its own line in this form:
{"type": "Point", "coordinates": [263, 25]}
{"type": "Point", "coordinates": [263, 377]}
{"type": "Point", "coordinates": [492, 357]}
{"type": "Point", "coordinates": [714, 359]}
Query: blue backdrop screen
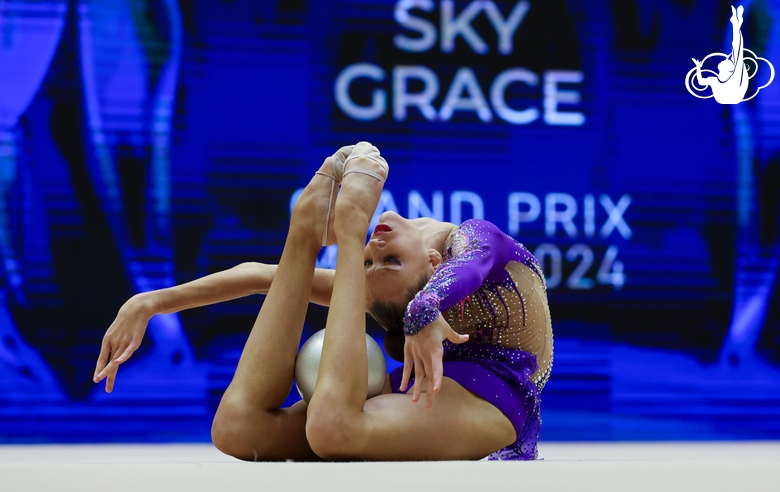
{"type": "Point", "coordinates": [147, 143]}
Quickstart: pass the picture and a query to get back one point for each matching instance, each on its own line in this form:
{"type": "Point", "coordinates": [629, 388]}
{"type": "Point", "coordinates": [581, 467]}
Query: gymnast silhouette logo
{"type": "Point", "coordinates": [730, 84]}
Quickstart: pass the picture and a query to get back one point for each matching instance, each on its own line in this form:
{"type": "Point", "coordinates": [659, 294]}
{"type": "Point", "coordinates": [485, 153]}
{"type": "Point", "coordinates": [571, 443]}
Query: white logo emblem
{"type": "Point", "coordinates": [730, 83]}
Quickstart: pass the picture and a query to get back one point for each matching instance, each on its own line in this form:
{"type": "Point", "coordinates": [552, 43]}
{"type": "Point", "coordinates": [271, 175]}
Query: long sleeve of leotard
{"type": "Point", "coordinates": [477, 252]}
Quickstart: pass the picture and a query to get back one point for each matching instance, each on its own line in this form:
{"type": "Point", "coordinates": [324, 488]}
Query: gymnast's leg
{"type": "Point", "coordinates": [249, 423]}
{"type": "Point", "coordinates": [341, 424]}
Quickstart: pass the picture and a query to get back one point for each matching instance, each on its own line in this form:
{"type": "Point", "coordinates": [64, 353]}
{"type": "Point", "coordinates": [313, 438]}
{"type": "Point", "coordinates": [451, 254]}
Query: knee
{"type": "Point", "coordinates": [230, 430]}
{"type": "Point", "coordinates": [330, 433]}
{"type": "Point", "coordinates": [226, 432]}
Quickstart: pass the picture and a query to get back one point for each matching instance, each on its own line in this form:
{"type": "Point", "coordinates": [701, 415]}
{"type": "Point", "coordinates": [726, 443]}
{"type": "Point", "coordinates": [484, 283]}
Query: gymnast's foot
{"type": "Point", "coordinates": [364, 175]}
{"type": "Point", "coordinates": [316, 205]}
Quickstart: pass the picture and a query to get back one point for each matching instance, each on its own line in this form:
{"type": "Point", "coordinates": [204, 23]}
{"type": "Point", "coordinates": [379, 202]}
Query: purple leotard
{"type": "Point", "coordinates": [475, 288]}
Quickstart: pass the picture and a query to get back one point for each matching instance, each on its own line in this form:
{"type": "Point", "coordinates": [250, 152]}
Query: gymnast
{"type": "Point", "coordinates": [465, 307]}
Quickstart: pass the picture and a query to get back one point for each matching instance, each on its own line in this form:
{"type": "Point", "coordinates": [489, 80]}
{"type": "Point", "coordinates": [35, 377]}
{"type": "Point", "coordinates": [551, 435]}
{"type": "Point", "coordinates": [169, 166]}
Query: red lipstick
{"type": "Point", "coordinates": [380, 228]}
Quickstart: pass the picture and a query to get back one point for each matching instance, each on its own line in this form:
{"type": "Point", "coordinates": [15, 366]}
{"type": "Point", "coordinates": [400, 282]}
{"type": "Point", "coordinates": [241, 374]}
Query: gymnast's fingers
{"type": "Point", "coordinates": [102, 361]}
{"type": "Point", "coordinates": [111, 376]}
{"type": "Point", "coordinates": [127, 353]}
{"type": "Point", "coordinates": [434, 381]}
{"type": "Point", "coordinates": [437, 368]}
{"type": "Point", "coordinates": [111, 351]}
{"type": "Point", "coordinates": [454, 337]}
{"type": "Point", "coordinates": [408, 362]}
{"type": "Point", "coordinates": [419, 375]}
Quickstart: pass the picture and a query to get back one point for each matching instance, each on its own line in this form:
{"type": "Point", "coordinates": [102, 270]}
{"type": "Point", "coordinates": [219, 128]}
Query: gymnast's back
{"type": "Point", "coordinates": [492, 288]}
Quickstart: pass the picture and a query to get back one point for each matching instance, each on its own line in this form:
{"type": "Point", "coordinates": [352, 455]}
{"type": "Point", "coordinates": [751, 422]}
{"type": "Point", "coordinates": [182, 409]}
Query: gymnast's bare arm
{"type": "Point", "coordinates": [240, 281]}
{"type": "Point", "coordinates": [125, 334]}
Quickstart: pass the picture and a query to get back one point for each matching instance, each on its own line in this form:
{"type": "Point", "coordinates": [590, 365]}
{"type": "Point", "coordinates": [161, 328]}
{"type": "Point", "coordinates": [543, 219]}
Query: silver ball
{"type": "Point", "coordinates": [307, 365]}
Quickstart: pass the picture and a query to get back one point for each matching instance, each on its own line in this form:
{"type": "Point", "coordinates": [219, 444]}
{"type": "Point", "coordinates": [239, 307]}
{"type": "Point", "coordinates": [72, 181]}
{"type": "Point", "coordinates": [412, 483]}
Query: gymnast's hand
{"type": "Point", "coordinates": [425, 351]}
{"type": "Point", "coordinates": [122, 339]}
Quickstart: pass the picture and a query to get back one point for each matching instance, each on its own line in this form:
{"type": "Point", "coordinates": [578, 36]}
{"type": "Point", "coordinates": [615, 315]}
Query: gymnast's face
{"type": "Point", "coordinates": [394, 258]}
